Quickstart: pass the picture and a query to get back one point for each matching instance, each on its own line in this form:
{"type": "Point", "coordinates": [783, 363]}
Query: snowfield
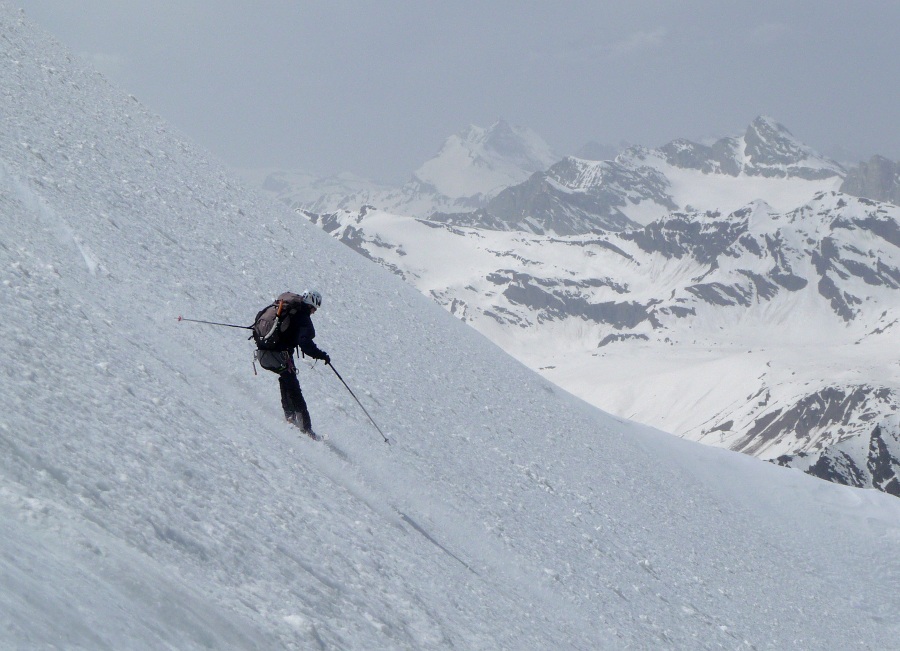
{"type": "Point", "coordinates": [151, 496]}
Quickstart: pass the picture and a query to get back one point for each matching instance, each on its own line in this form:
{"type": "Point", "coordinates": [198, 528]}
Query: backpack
{"type": "Point", "coordinates": [272, 325]}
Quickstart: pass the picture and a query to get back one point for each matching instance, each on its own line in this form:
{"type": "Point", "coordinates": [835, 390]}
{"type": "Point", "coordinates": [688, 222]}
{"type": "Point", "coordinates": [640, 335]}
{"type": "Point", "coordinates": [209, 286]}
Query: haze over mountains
{"type": "Point", "coordinates": [470, 169]}
{"type": "Point", "coordinates": [663, 263]}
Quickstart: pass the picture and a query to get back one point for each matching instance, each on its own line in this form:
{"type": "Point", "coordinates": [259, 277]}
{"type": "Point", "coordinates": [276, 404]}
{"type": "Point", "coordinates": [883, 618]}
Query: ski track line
{"type": "Point", "coordinates": [356, 486]}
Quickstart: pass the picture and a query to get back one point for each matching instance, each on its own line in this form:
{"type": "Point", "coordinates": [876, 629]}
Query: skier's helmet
{"type": "Point", "coordinates": [312, 298]}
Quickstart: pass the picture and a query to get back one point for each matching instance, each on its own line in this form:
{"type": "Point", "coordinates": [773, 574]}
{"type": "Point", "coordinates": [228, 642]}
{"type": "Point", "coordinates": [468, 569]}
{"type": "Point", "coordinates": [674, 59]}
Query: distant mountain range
{"type": "Point", "coordinates": [736, 293]}
{"type": "Point", "coordinates": [577, 196]}
{"type": "Point", "coordinates": [472, 167]}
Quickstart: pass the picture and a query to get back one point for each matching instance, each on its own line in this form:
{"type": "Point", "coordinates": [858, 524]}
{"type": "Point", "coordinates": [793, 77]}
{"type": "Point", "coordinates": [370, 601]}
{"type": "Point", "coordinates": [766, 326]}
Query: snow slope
{"type": "Point", "coordinates": [151, 496]}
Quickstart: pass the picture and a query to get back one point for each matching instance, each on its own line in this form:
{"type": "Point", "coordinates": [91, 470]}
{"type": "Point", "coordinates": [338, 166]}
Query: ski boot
{"type": "Point", "coordinates": [296, 419]}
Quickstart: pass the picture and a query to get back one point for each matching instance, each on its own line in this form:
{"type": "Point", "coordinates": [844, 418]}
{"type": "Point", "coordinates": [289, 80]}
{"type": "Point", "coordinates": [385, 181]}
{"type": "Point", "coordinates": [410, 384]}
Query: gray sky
{"type": "Point", "coordinates": [374, 88]}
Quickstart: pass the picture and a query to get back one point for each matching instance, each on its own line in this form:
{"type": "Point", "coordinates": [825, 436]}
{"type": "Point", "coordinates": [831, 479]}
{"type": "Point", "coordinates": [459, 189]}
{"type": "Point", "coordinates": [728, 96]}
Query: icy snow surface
{"type": "Point", "coordinates": [151, 496]}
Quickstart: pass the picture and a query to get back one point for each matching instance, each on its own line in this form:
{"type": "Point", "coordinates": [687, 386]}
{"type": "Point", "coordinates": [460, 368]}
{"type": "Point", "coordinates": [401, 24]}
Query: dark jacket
{"type": "Point", "coordinates": [304, 332]}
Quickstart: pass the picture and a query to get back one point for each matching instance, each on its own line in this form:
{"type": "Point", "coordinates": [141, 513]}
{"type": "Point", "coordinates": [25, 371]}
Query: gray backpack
{"type": "Point", "coordinates": [272, 326]}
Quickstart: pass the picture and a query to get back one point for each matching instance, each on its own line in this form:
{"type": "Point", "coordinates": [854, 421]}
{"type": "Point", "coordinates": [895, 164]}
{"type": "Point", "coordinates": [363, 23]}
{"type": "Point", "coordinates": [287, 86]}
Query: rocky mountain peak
{"type": "Point", "coordinates": [767, 149]}
{"type": "Point", "coordinates": [771, 150]}
{"type": "Point", "coordinates": [871, 460]}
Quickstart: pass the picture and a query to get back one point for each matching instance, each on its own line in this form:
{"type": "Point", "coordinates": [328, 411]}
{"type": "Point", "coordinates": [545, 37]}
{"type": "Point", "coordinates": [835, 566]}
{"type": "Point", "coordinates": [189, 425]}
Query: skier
{"type": "Point", "coordinates": [279, 330]}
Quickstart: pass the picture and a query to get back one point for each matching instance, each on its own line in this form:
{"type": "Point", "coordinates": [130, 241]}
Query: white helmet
{"type": "Point", "coordinates": [312, 298]}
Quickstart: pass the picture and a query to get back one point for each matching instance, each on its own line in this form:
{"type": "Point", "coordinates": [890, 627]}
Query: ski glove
{"type": "Point", "coordinates": [325, 358]}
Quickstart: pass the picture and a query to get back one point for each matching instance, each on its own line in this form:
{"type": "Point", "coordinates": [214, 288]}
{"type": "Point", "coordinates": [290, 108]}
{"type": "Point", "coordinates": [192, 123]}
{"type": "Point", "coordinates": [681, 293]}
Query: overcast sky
{"type": "Point", "coordinates": [374, 88]}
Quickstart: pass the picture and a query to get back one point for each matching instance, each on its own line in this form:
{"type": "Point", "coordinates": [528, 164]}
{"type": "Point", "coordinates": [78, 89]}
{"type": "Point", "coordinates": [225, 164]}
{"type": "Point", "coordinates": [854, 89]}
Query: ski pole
{"type": "Point", "coordinates": [227, 325]}
{"type": "Point", "coordinates": [359, 403]}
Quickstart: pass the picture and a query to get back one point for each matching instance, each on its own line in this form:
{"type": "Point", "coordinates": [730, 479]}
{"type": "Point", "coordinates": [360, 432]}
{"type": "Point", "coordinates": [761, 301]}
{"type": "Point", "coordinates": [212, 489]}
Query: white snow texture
{"type": "Point", "coordinates": [152, 497]}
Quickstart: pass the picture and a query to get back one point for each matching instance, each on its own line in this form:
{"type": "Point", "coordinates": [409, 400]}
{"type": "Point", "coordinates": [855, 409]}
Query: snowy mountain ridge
{"type": "Point", "coordinates": [152, 497]}
{"type": "Point", "coordinates": [576, 197]}
{"type": "Point", "coordinates": [859, 461]}
{"type": "Point", "coordinates": [765, 149]}
{"type": "Point", "coordinates": [507, 177]}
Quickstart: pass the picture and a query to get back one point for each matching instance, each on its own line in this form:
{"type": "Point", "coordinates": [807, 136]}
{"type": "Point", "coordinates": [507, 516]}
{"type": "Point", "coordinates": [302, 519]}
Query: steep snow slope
{"type": "Point", "coordinates": [151, 496]}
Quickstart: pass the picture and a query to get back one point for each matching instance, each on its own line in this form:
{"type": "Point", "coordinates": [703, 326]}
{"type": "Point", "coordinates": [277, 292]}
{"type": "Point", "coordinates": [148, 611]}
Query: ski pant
{"type": "Point", "coordinates": [292, 400]}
